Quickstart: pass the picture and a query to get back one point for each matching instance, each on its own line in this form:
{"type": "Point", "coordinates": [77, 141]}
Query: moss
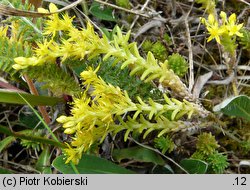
{"type": "Point", "coordinates": [178, 64]}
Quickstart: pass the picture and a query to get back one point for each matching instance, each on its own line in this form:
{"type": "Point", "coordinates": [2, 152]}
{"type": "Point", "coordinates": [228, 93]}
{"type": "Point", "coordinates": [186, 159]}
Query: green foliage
{"type": "Point", "coordinates": [132, 84]}
{"type": "Point", "coordinates": [238, 106]}
{"type": "Point", "coordinates": [23, 32]}
{"type": "Point", "coordinates": [161, 124]}
{"type": "Point", "coordinates": [245, 40]}
{"type": "Point", "coordinates": [102, 109]}
{"type": "Point", "coordinates": [28, 31]}
{"type": "Point", "coordinates": [54, 78]}
{"type": "Point", "coordinates": [29, 119]}
{"type": "Point", "coordinates": [164, 144]}
{"type": "Point", "coordinates": [159, 51]}
{"type": "Point", "coordinates": [114, 75]}
{"type": "Point", "coordinates": [166, 169]}
{"type": "Point", "coordinates": [19, 5]}
{"type": "Point", "coordinates": [206, 143]}
{"type": "Point", "coordinates": [175, 61]}
{"type": "Point", "coordinates": [208, 5]}
{"type": "Point", "coordinates": [178, 64]}
{"type": "Point", "coordinates": [32, 144]}
{"type": "Point", "coordinates": [206, 150]}
{"type": "Point", "coordinates": [198, 155]}
{"type": "Point", "coordinates": [157, 48]}
{"type": "Point", "coordinates": [101, 13]}
{"type": "Point", "coordinates": [43, 162]}
{"type": "Point", "coordinates": [13, 97]}
{"type": "Point", "coordinates": [9, 49]}
{"type": "Point", "coordinates": [139, 154]}
{"type": "Point", "coordinates": [4, 143]}
{"type": "Point", "coordinates": [105, 76]}
{"type": "Point", "coordinates": [5, 171]}
{"type": "Point", "coordinates": [123, 3]}
{"type": "Point", "coordinates": [229, 43]}
{"type": "Point", "coordinates": [85, 42]}
{"type": "Point", "coordinates": [194, 166]}
{"type": "Point", "coordinates": [167, 38]}
{"type": "Point", "coordinates": [90, 164]}
{"type": "Point", "coordinates": [245, 146]}
{"type": "Point", "coordinates": [218, 162]}
{"type": "Point", "coordinates": [147, 45]}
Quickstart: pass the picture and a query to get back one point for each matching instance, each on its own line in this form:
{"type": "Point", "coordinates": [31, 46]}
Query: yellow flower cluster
{"type": "Point", "coordinates": [79, 44]}
{"type": "Point", "coordinates": [54, 23]}
{"type": "Point", "coordinates": [217, 30]}
{"type": "Point", "coordinates": [95, 113]}
{"type": "Point", "coordinates": [48, 51]}
{"type": "Point", "coordinates": [103, 108]}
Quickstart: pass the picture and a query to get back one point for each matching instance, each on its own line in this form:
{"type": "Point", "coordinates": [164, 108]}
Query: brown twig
{"type": "Point", "coordinates": [9, 86]}
{"type": "Point", "coordinates": [190, 55]}
{"type": "Point", "coordinates": [33, 90]}
{"type": "Point", "coordinates": [6, 10]}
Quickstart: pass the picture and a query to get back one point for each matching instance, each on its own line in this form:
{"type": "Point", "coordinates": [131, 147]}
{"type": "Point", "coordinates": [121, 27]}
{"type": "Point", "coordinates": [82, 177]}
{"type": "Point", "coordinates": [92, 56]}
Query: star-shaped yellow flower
{"type": "Point", "coordinates": [233, 28]}
{"type": "Point", "coordinates": [213, 28]}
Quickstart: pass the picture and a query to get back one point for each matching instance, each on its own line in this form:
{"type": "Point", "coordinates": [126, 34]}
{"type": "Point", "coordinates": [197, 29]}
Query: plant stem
{"type": "Point", "coordinates": [33, 90]}
{"type": "Point", "coordinates": [19, 135]}
{"type": "Point", "coordinates": [85, 7]}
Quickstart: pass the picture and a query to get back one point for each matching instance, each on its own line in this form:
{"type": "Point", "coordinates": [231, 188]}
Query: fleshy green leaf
{"type": "Point", "coordinates": [139, 154]}
{"type": "Point", "coordinates": [90, 164]}
{"type": "Point", "coordinates": [12, 97]}
{"type": "Point", "coordinates": [194, 166]}
{"type": "Point", "coordinates": [238, 106]}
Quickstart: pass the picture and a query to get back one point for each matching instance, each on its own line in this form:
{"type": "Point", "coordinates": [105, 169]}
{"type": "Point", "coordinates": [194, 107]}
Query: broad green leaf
{"type": "Point", "coordinates": [166, 169]}
{"type": "Point", "coordinates": [90, 164]}
{"type": "Point", "coordinates": [238, 106]}
{"type": "Point", "coordinates": [139, 154]}
{"type": "Point", "coordinates": [102, 13]}
{"type": "Point", "coordinates": [12, 97]}
{"type": "Point", "coordinates": [43, 162]}
{"type": "Point", "coordinates": [39, 117]}
{"type": "Point", "coordinates": [5, 142]}
{"type": "Point", "coordinates": [5, 171]}
{"type": "Point", "coordinates": [194, 166]}
{"type": "Point", "coordinates": [30, 120]}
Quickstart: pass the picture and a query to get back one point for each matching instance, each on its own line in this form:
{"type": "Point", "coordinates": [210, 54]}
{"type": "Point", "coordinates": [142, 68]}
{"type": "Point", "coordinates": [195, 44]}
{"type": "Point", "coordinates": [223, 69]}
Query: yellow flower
{"type": "Point", "coordinates": [223, 16]}
{"type": "Point", "coordinates": [66, 50]}
{"type": "Point", "coordinates": [215, 33]}
{"type": "Point", "coordinates": [228, 26]}
{"type": "Point", "coordinates": [213, 28]}
{"type": "Point", "coordinates": [54, 23]}
{"type": "Point", "coordinates": [84, 139]}
{"type": "Point", "coordinates": [233, 28]}
{"type": "Point", "coordinates": [48, 51]}
{"type": "Point", "coordinates": [73, 155]}
{"type": "Point", "coordinates": [52, 8]}
{"type": "Point", "coordinates": [23, 62]}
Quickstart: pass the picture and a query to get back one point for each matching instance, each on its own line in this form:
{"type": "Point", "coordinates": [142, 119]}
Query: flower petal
{"type": "Point", "coordinates": [52, 7]}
